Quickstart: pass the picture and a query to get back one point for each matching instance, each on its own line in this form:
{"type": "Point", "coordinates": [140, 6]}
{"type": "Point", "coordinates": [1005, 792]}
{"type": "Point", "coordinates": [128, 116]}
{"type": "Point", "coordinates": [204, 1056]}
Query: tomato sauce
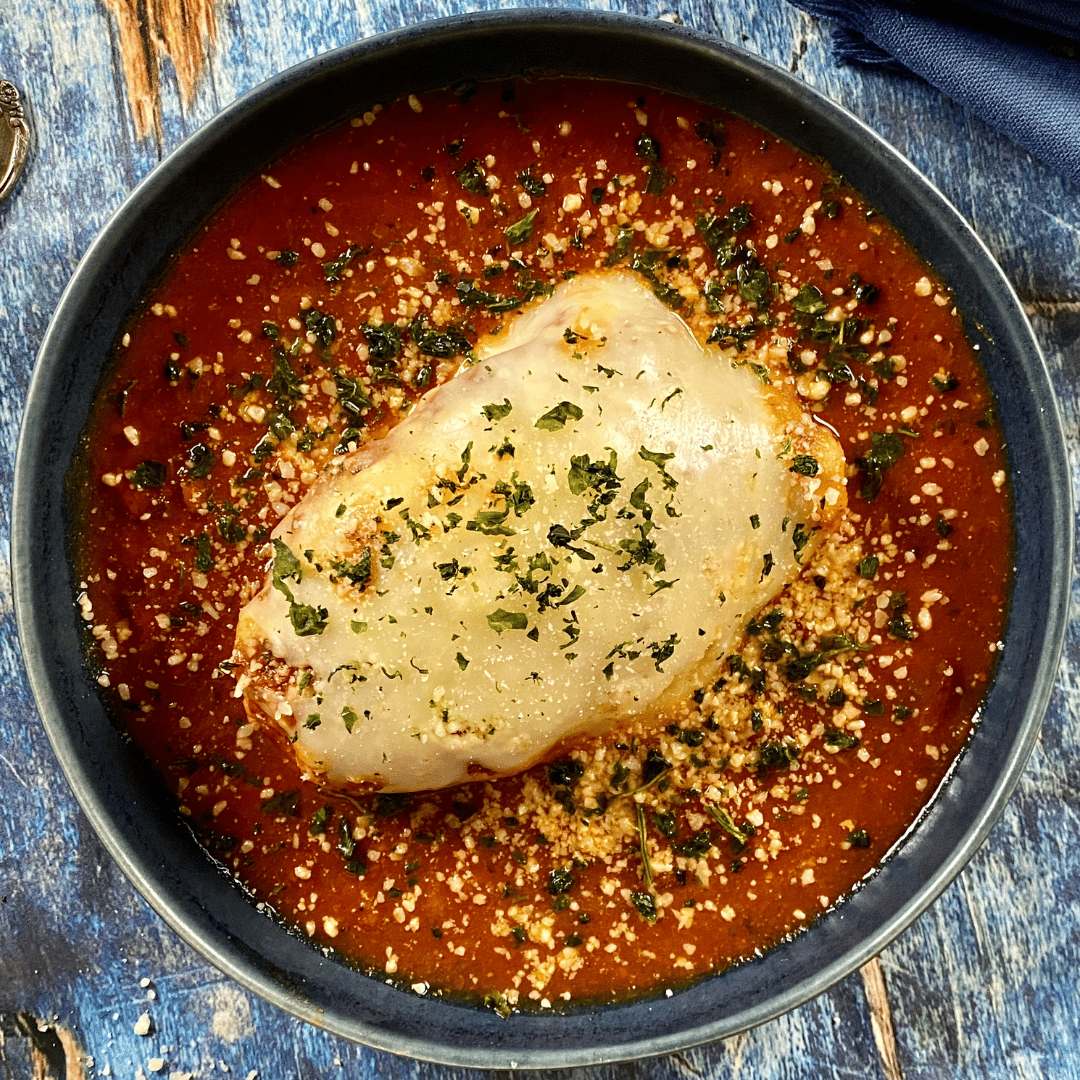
{"type": "Point", "coordinates": [645, 857]}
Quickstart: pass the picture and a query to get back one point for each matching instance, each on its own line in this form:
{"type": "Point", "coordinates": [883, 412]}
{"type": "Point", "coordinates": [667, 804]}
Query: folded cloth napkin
{"type": "Point", "coordinates": [994, 57]}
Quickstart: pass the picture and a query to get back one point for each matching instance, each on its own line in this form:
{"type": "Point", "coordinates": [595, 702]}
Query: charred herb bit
{"type": "Point", "coordinates": [321, 324]}
{"type": "Point", "coordinates": [358, 573]}
{"type": "Point", "coordinates": [944, 384]}
{"type": "Point", "coordinates": [864, 292]}
{"type": "Point", "coordinates": [521, 231]}
{"type": "Point", "coordinates": [690, 736]}
{"type": "Point", "coordinates": [739, 337]}
{"type": "Point", "coordinates": [383, 339]}
{"type": "Point", "coordinates": [695, 846]}
{"type": "Point", "coordinates": [800, 538]}
{"type": "Point", "coordinates": [900, 625]}
{"type": "Point", "coordinates": [351, 396]}
{"type": "Point", "coordinates": [565, 773]}
{"type": "Point", "coordinates": [320, 820]}
{"type": "Point", "coordinates": [809, 302]}
{"type": "Point", "coordinates": [271, 330]}
{"type": "Point", "coordinates": [241, 390]}
{"type": "Point", "coordinates": [766, 565]}
{"type": "Point", "coordinates": [560, 880]}
{"type": "Point", "coordinates": [719, 233]}
{"type": "Point", "coordinates": [149, 474]}
{"type": "Point", "coordinates": [658, 180]}
{"type": "Point", "coordinates": [470, 297]}
{"type": "Point", "coordinates": [842, 740]}
{"type": "Point", "coordinates": [532, 184]}
{"type": "Point", "coordinates": [346, 844]}
{"type": "Point", "coordinates": [655, 765]}
{"type": "Point", "coordinates": [283, 803]}
{"type": "Point", "coordinates": [797, 669]}
{"type": "Point", "coordinates": [497, 1003]}
{"type": "Point", "coordinates": [619, 775]}
{"type": "Point", "coordinates": [739, 218]}
{"type": "Point", "coordinates": [471, 177]}
{"type": "Point", "coordinates": [286, 258]}
{"type": "Point", "coordinates": [229, 526]}
{"type": "Point", "coordinates": [711, 132]}
{"type": "Point", "coordinates": [170, 371]}
{"type": "Point", "coordinates": [754, 283]}
{"type": "Point", "coordinates": [942, 527]}
{"type": "Point", "coordinates": [777, 755]}
{"type": "Point", "coordinates": [200, 460]}
{"type": "Point", "coordinates": [886, 449]}
{"type": "Point", "coordinates": [647, 148]}
{"type": "Point", "coordinates": [860, 838]}
{"type": "Point", "coordinates": [334, 270]}
{"type": "Point", "coordinates": [283, 383]}
{"type": "Point", "coordinates": [444, 342]}
{"type": "Point", "coordinates": [645, 905]}
{"type": "Point", "coordinates": [204, 561]}
{"type": "Point", "coordinates": [646, 262]}
{"type": "Point", "coordinates": [279, 424]}
{"type": "Point", "coordinates": [868, 567]}
{"type": "Point", "coordinates": [804, 465]}
{"type": "Point", "coordinates": [740, 668]}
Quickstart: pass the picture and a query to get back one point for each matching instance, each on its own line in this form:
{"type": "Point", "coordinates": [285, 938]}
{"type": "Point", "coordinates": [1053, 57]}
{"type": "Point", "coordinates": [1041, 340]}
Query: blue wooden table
{"type": "Point", "coordinates": [93, 983]}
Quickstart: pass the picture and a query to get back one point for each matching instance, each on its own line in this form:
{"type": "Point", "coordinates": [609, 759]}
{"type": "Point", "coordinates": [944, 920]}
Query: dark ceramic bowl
{"type": "Point", "coordinates": [130, 809]}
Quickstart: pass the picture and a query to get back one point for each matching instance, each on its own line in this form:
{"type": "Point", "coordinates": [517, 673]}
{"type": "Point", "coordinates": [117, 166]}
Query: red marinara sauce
{"type": "Point", "coordinates": [331, 292]}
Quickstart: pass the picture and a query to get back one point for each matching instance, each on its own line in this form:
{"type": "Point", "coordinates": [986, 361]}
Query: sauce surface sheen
{"type": "Point", "coordinates": [306, 318]}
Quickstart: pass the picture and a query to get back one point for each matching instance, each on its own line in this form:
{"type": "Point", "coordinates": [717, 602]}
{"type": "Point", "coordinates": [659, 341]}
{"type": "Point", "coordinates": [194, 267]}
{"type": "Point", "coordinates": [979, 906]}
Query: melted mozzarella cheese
{"type": "Point", "coordinates": [566, 535]}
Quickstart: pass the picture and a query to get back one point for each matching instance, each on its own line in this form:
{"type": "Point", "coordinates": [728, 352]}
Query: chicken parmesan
{"type": "Point", "coordinates": [507, 569]}
{"type": "Point", "coordinates": [550, 537]}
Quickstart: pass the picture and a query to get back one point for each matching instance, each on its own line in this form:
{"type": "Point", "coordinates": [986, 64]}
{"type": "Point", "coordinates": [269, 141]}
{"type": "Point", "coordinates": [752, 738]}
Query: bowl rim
{"type": "Point", "coordinates": [463, 1035]}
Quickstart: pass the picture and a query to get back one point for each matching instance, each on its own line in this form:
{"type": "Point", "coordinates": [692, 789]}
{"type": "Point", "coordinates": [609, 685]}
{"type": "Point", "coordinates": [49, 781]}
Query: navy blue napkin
{"type": "Point", "coordinates": [1014, 63]}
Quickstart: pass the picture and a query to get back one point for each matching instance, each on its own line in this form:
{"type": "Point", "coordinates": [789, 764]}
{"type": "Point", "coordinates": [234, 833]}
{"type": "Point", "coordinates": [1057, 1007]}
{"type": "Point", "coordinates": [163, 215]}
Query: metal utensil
{"type": "Point", "coordinates": [14, 138]}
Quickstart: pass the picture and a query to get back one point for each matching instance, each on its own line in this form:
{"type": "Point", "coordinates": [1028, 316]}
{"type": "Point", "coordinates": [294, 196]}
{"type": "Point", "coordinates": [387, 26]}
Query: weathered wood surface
{"type": "Point", "coordinates": [984, 985]}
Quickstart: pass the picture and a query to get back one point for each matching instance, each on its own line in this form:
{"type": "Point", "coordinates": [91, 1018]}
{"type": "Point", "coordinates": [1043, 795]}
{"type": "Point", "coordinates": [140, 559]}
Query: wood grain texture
{"type": "Point", "coordinates": [149, 30]}
{"type": "Point", "coordinates": [984, 985]}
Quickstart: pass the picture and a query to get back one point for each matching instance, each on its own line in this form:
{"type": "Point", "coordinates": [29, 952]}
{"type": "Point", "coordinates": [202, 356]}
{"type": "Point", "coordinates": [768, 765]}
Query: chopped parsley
{"type": "Point", "coordinates": [555, 419]}
{"type": "Point", "coordinates": [521, 231]}
{"type": "Point", "coordinates": [501, 620]}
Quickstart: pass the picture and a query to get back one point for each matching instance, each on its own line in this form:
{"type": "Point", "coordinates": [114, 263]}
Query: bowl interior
{"type": "Point", "coordinates": [130, 810]}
